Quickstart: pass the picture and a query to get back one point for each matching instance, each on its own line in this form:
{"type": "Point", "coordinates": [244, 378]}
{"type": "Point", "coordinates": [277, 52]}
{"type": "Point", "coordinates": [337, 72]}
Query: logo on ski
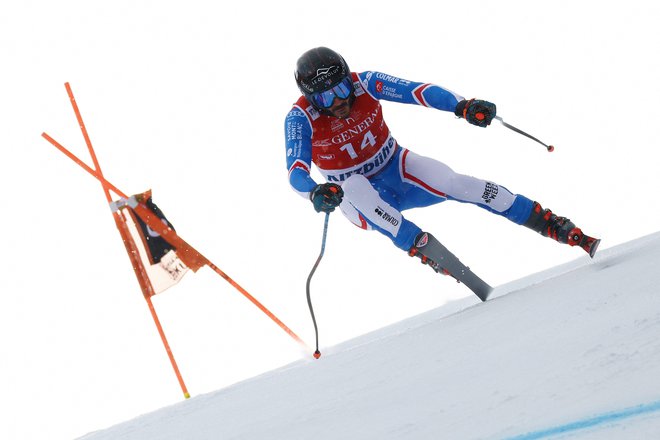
{"type": "Point", "coordinates": [423, 241]}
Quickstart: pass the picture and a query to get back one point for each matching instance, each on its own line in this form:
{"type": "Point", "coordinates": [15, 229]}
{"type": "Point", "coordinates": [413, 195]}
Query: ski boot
{"type": "Point", "coordinates": [561, 229]}
{"type": "Point", "coordinates": [441, 260]}
{"type": "Point", "coordinates": [414, 251]}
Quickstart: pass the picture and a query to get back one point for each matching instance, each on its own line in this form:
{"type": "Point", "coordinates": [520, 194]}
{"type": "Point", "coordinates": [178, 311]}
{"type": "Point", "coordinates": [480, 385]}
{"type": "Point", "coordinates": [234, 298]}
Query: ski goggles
{"type": "Point", "coordinates": [342, 91]}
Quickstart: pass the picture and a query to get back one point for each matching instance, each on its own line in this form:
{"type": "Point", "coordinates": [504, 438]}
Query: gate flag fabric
{"type": "Point", "coordinates": [161, 260]}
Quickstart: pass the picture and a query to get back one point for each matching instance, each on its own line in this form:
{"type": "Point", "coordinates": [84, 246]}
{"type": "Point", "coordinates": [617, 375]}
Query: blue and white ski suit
{"type": "Point", "coordinates": [380, 178]}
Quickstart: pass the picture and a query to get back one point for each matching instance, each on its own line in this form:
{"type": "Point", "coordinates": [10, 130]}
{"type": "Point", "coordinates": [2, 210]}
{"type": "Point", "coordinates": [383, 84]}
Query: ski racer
{"type": "Point", "coordinates": [337, 124]}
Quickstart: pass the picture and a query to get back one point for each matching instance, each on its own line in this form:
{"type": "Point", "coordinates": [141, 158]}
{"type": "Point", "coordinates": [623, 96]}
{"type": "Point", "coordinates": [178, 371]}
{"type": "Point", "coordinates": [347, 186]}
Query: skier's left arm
{"type": "Point", "coordinates": [390, 88]}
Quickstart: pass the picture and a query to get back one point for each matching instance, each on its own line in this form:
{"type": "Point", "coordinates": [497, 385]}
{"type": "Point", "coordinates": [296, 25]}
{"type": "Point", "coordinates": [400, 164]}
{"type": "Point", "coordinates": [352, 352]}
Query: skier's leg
{"type": "Point", "coordinates": [436, 177]}
{"type": "Point", "coordinates": [365, 208]}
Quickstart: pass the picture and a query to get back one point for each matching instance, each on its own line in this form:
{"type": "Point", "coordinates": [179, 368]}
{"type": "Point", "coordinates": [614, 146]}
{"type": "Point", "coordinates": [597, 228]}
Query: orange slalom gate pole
{"type": "Point", "coordinates": [166, 232]}
{"type": "Point", "coordinates": [82, 164]}
{"type": "Point", "coordinates": [186, 394]}
{"type": "Point", "coordinates": [172, 238]}
{"type": "Point", "coordinates": [140, 272]}
{"type": "Point", "coordinates": [261, 307]}
{"type": "Point", "coordinates": [147, 292]}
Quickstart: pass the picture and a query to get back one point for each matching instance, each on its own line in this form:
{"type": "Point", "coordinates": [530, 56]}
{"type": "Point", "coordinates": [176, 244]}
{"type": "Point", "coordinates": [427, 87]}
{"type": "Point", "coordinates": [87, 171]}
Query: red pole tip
{"type": "Point", "coordinates": [551, 148]}
{"type": "Point", "coordinates": [317, 354]}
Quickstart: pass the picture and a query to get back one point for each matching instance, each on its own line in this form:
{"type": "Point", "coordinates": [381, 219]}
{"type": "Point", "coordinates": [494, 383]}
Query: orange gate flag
{"type": "Point", "coordinates": [165, 264]}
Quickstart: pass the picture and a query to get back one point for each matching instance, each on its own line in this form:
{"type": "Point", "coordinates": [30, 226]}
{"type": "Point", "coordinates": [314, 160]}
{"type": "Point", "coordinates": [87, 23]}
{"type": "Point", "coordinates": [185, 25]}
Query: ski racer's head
{"type": "Point", "coordinates": [325, 80]}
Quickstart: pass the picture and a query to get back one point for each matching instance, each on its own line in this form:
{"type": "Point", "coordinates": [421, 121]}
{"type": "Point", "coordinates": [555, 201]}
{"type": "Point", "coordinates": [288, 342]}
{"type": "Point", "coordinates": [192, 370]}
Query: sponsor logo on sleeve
{"type": "Point", "coordinates": [313, 113]}
{"type": "Point", "coordinates": [357, 89]}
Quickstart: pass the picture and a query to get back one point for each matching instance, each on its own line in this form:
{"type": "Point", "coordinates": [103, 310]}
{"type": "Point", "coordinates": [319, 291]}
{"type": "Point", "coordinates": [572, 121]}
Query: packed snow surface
{"type": "Point", "coordinates": [572, 352]}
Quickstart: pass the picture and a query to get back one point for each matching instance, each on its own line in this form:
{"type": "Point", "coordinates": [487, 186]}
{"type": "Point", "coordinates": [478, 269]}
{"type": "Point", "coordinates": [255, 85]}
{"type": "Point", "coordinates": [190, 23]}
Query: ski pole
{"type": "Point", "coordinates": [550, 148]}
{"type": "Point", "coordinates": [317, 353]}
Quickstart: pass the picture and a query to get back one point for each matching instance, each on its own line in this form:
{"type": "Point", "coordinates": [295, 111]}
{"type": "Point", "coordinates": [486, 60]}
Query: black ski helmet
{"type": "Point", "coordinates": [320, 69]}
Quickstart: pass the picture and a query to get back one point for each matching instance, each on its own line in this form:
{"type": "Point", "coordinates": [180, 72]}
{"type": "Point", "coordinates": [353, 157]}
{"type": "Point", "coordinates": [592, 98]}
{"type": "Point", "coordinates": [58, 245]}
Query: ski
{"type": "Point", "coordinates": [589, 244]}
{"type": "Point", "coordinates": [429, 246]}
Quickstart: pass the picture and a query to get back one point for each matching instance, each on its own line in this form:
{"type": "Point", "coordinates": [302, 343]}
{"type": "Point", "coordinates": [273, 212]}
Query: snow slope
{"type": "Point", "coordinates": [572, 352]}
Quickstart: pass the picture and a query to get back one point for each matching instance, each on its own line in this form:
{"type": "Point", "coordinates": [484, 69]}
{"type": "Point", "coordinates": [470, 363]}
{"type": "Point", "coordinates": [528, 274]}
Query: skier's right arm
{"type": "Point", "coordinates": [298, 138]}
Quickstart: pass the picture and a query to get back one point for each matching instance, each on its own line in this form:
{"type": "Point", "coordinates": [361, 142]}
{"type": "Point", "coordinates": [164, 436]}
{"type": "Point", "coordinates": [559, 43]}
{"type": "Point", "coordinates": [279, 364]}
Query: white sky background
{"type": "Point", "coordinates": [190, 102]}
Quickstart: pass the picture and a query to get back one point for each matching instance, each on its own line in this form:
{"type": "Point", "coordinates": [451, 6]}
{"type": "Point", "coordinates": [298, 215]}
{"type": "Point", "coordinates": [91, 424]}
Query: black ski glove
{"type": "Point", "coordinates": [326, 197]}
{"type": "Point", "coordinates": [476, 111]}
